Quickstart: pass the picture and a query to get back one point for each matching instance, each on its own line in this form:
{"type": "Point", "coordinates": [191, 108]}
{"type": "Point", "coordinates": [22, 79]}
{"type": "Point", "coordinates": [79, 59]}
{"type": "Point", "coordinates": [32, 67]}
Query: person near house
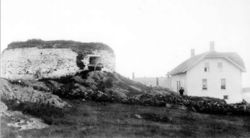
{"type": "Point", "coordinates": [244, 104]}
{"type": "Point", "coordinates": [181, 91]}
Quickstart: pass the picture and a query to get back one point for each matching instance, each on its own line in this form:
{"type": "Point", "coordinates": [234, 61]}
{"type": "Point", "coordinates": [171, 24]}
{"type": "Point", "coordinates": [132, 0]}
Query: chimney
{"type": "Point", "coordinates": [192, 52]}
{"type": "Point", "coordinates": [212, 46]}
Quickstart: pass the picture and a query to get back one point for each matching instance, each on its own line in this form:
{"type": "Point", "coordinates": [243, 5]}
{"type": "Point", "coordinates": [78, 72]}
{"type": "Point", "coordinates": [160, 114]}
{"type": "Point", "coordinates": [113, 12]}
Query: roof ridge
{"type": "Point", "coordinates": [186, 65]}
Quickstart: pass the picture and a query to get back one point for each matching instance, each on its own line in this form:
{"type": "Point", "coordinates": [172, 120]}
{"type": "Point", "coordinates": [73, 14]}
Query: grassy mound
{"type": "Point", "coordinates": [75, 46]}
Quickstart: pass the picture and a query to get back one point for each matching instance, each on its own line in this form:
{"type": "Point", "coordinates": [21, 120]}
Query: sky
{"type": "Point", "coordinates": [149, 37]}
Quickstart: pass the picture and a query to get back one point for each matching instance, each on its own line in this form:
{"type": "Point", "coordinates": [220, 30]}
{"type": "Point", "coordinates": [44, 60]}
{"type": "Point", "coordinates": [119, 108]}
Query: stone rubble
{"type": "Point", "coordinates": [111, 87]}
{"type": "Point", "coordinates": [21, 122]}
{"type": "Point", "coordinates": [22, 94]}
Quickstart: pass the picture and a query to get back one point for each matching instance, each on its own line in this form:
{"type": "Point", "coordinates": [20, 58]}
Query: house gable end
{"type": "Point", "coordinates": [233, 58]}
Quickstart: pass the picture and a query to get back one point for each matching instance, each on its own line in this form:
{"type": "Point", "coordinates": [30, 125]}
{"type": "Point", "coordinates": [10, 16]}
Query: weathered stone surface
{"type": "Point", "coordinates": [20, 121]}
{"type": "Point", "coordinates": [118, 93]}
{"type": "Point", "coordinates": [3, 108]}
{"type": "Point", "coordinates": [34, 63]}
{"type": "Point", "coordinates": [37, 59]}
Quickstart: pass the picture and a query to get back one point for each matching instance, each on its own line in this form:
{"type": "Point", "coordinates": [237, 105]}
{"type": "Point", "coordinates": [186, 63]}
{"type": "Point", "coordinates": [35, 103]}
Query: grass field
{"type": "Point", "coordinates": [92, 119]}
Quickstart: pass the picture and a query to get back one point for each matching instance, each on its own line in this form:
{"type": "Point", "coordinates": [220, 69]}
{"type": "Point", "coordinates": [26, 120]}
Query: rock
{"type": "Point", "coordinates": [3, 108]}
{"type": "Point", "coordinates": [22, 122]}
{"type": "Point", "coordinates": [193, 109]}
{"type": "Point", "coordinates": [168, 105]}
{"type": "Point", "coordinates": [138, 116]}
{"type": "Point", "coordinates": [56, 102]}
{"type": "Point", "coordinates": [117, 92]}
{"type": "Point", "coordinates": [135, 88]}
{"type": "Point", "coordinates": [182, 107]}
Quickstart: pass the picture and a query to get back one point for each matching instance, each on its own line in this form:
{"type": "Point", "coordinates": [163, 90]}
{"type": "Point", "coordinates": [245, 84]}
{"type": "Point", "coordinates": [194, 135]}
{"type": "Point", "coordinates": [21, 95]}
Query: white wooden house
{"type": "Point", "coordinates": [212, 74]}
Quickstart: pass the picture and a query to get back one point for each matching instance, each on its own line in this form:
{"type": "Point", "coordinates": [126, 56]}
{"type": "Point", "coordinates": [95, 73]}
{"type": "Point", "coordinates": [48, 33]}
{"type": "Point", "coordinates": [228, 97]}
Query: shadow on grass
{"type": "Point", "coordinates": [156, 117]}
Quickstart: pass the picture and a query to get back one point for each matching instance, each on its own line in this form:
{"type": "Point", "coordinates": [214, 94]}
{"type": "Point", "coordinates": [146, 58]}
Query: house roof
{"type": "Point", "coordinates": [233, 58]}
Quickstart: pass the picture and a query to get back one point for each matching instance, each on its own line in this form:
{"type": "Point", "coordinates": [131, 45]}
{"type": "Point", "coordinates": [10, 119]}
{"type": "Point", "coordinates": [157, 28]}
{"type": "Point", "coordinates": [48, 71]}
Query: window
{"type": "Point", "coordinates": [94, 60]}
{"type": "Point", "coordinates": [225, 97]}
{"type": "Point", "coordinates": [223, 84]}
{"type": "Point", "coordinates": [178, 85]}
{"type": "Point", "coordinates": [206, 68]}
{"type": "Point", "coordinates": [204, 84]}
{"type": "Point", "coordinates": [220, 66]}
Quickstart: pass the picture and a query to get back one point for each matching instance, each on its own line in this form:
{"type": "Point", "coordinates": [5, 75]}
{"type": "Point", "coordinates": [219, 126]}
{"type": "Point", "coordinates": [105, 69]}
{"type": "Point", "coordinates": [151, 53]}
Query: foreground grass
{"type": "Point", "coordinates": [92, 119]}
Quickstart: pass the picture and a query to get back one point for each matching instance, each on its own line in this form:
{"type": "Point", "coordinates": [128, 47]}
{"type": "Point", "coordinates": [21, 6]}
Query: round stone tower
{"type": "Point", "coordinates": [36, 59]}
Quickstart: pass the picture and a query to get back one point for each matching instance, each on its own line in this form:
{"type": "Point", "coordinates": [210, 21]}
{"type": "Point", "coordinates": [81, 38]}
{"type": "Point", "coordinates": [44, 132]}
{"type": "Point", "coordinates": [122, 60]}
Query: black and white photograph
{"type": "Point", "coordinates": [125, 69]}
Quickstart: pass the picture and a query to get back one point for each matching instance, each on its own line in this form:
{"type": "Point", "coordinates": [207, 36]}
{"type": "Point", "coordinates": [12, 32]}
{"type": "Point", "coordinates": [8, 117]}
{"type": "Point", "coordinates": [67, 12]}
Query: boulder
{"type": "Point", "coordinates": [21, 122]}
{"type": "Point", "coordinates": [138, 116]}
{"type": "Point", "coordinates": [3, 108]}
{"type": "Point", "coordinates": [117, 92]}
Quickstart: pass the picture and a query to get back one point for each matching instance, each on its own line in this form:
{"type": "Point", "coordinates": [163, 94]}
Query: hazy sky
{"type": "Point", "coordinates": [149, 37]}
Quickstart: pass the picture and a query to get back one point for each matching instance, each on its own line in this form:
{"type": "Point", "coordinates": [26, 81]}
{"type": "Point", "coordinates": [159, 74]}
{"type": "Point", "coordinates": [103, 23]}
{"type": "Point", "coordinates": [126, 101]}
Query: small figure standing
{"type": "Point", "coordinates": [181, 91]}
{"type": "Point", "coordinates": [244, 101]}
{"type": "Point", "coordinates": [244, 104]}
